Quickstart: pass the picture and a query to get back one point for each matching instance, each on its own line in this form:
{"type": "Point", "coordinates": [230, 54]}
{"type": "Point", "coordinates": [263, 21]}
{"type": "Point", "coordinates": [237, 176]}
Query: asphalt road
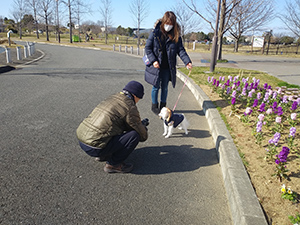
{"type": "Point", "coordinates": [47, 179]}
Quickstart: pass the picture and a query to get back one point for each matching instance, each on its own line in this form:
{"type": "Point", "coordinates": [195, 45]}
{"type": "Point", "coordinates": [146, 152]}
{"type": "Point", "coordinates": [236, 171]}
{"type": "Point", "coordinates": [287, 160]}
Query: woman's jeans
{"type": "Point", "coordinates": [117, 149]}
{"type": "Point", "coordinates": [163, 82]}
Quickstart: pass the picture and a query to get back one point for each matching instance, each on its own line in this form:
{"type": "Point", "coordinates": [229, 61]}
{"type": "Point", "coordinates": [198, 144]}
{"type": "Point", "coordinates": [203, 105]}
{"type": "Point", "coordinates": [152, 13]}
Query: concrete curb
{"type": "Point", "coordinates": [244, 205]}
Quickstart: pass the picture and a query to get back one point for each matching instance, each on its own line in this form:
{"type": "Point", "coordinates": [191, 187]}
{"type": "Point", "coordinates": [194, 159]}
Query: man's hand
{"type": "Point", "coordinates": [145, 122]}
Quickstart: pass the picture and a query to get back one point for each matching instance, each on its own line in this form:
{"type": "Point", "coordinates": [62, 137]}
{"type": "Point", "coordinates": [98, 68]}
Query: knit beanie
{"type": "Point", "coordinates": [135, 88]}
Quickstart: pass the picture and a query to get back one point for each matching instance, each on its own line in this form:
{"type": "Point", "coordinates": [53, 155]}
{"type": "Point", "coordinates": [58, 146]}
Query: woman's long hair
{"type": "Point", "coordinates": [170, 18]}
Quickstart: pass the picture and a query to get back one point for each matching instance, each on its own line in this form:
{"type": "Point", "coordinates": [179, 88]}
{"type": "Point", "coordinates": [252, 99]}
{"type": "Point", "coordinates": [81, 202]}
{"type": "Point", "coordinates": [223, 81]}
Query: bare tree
{"type": "Point", "coordinates": [291, 18]}
{"type": "Point", "coordinates": [225, 14]}
{"type": "Point", "coordinates": [185, 18]}
{"type": "Point", "coordinates": [139, 11]}
{"type": "Point", "coordinates": [250, 15]}
{"type": "Point", "coordinates": [106, 11]}
{"type": "Point", "coordinates": [80, 8]}
{"type": "Point", "coordinates": [33, 4]}
{"type": "Point", "coordinates": [225, 21]}
{"type": "Point", "coordinates": [18, 13]}
{"type": "Point", "coordinates": [47, 6]}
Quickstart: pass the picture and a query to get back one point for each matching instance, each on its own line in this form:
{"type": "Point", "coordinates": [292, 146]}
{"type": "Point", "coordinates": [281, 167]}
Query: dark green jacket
{"type": "Point", "coordinates": [111, 117]}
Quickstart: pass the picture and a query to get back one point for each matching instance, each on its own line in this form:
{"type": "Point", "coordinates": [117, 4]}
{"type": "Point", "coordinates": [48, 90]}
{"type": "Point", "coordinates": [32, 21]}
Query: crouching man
{"type": "Point", "coordinates": [114, 129]}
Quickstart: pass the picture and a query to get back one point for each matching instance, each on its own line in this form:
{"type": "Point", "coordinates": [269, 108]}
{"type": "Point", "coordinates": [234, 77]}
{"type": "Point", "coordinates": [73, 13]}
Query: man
{"type": "Point", "coordinates": [114, 128]}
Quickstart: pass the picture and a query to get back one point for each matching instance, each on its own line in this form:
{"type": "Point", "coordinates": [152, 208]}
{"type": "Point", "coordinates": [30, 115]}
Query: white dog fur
{"type": "Point", "coordinates": [166, 114]}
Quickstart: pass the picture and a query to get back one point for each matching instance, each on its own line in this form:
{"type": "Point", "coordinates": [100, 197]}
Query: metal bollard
{"type": "Point", "coordinates": [29, 49]}
{"type": "Point", "coordinates": [126, 49]}
{"type": "Point", "coordinates": [19, 55]}
{"type": "Point", "coordinates": [114, 47]}
{"type": "Point", "coordinates": [25, 51]}
{"type": "Point", "coordinates": [120, 48]}
{"type": "Point", "coordinates": [194, 45]}
{"type": "Point", "coordinates": [131, 49]}
{"type": "Point", "coordinates": [138, 51]}
{"type": "Point", "coordinates": [8, 57]}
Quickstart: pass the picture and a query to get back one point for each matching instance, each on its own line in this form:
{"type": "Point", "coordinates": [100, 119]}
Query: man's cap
{"type": "Point", "coordinates": [135, 88]}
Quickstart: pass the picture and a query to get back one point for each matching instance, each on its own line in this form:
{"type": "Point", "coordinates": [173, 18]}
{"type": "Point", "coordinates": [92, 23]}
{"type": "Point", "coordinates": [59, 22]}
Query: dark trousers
{"type": "Point", "coordinates": [117, 149]}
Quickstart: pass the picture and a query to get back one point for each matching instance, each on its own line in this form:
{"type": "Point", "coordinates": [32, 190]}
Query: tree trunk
{"type": "Point", "coordinates": [70, 21]}
{"type": "Point", "coordinates": [221, 29]}
{"type": "Point", "coordinates": [236, 45]}
{"type": "Point", "coordinates": [47, 30]}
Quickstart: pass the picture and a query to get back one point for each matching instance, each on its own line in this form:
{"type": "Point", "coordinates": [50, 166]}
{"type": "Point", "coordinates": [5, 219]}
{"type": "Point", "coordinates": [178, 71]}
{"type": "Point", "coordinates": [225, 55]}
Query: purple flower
{"type": "Point", "coordinates": [217, 83]}
{"type": "Point", "coordinates": [227, 83]}
{"type": "Point", "coordinates": [285, 99]}
{"type": "Point", "coordinates": [262, 107]}
{"type": "Point", "coordinates": [282, 156]}
{"type": "Point", "coordinates": [269, 111]}
{"type": "Point", "coordinates": [244, 92]}
{"type": "Point", "coordinates": [266, 96]}
{"type": "Point", "coordinates": [238, 83]}
{"type": "Point", "coordinates": [292, 131]}
{"type": "Point", "coordinates": [275, 138]}
{"type": "Point", "coordinates": [246, 85]}
{"type": "Point", "coordinates": [278, 120]}
{"type": "Point", "coordinates": [294, 105]}
{"type": "Point", "coordinates": [274, 105]}
{"type": "Point", "coordinates": [298, 101]}
{"type": "Point", "coordinates": [255, 103]}
{"type": "Point", "coordinates": [248, 111]}
{"type": "Point", "coordinates": [228, 90]}
{"type": "Point", "coordinates": [214, 82]}
{"type": "Point", "coordinates": [275, 94]}
{"type": "Point", "coordinates": [208, 79]}
{"type": "Point", "coordinates": [279, 111]}
{"type": "Point", "coordinates": [258, 95]}
{"type": "Point", "coordinates": [265, 86]}
{"type": "Point", "coordinates": [233, 94]}
{"type": "Point", "coordinates": [294, 116]}
{"type": "Point", "coordinates": [259, 126]}
{"type": "Point", "coordinates": [233, 101]}
{"type": "Point", "coordinates": [261, 117]}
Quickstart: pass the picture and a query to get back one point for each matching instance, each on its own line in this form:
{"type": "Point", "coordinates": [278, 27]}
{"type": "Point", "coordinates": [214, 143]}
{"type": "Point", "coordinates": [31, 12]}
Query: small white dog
{"type": "Point", "coordinates": [172, 120]}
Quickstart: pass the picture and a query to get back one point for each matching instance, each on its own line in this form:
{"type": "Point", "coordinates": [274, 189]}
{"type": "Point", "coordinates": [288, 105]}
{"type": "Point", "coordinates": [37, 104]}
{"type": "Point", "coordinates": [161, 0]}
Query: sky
{"type": "Point", "coordinates": [122, 16]}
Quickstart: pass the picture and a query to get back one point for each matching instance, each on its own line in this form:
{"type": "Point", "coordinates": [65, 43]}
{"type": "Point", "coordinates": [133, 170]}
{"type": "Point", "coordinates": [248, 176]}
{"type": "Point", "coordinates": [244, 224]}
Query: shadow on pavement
{"type": "Point", "coordinates": [171, 159]}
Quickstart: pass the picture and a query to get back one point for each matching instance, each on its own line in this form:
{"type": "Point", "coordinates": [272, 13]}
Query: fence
{"type": "Point", "coordinates": [273, 49]}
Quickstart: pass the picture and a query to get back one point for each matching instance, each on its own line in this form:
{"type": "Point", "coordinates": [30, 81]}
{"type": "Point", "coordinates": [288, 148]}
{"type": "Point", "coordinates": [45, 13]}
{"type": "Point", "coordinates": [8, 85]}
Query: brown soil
{"type": "Point", "coordinates": [267, 187]}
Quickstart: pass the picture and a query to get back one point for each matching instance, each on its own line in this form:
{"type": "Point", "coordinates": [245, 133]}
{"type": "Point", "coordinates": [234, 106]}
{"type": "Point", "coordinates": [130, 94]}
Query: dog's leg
{"type": "Point", "coordinates": [170, 131]}
{"type": "Point", "coordinates": [185, 125]}
{"type": "Point", "coordinates": [165, 130]}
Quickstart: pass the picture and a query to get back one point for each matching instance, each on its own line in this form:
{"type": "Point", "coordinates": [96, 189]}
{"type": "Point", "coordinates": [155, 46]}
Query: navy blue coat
{"type": "Point", "coordinates": [153, 51]}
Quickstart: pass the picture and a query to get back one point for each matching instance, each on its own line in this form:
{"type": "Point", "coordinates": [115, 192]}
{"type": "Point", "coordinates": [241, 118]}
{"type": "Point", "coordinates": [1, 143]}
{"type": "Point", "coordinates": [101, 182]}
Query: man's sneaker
{"type": "Point", "coordinates": [121, 168]}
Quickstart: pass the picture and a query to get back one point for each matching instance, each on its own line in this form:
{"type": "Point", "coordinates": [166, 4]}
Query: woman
{"type": "Point", "coordinates": [162, 47]}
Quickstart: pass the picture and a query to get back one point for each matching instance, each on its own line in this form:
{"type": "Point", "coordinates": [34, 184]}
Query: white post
{"type": "Point", "coordinates": [194, 45]}
{"type": "Point", "coordinates": [126, 49]}
{"type": "Point", "coordinates": [8, 58]}
{"type": "Point", "coordinates": [143, 51]}
{"type": "Point", "coordinates": [120, 48]}
{"type": "Point", "coordinates": [29, 49]}
{"type": "Point", "coordinates": [131, 49]}
{"type": "Point", "coordinates": [19, 56]}
{"type": "Point", "coordinates": [138, 51]}
{"type": "Point", "coordinates": [25, 51]}
{"type": "Point", "coordinates": [114, 47]}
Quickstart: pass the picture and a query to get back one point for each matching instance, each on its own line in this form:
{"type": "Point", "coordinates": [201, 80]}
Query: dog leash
{"type": "Point", "coordinates": [182, 89]}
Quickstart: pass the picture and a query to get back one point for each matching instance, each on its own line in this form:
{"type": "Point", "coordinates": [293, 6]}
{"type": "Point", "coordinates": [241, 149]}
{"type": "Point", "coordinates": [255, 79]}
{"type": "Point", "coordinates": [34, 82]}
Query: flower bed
{"type": "Point", "coordinates": [272, 115]}
{"type": "Point", "coordinates": [268, 141]}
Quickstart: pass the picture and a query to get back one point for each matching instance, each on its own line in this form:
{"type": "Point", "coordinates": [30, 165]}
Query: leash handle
{"type": "Point", "coordinates": [182, 89]}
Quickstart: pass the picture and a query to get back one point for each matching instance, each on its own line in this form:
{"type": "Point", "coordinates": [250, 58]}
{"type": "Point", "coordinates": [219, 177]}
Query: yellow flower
{"type": "Point", "coordinates": [283, 190]}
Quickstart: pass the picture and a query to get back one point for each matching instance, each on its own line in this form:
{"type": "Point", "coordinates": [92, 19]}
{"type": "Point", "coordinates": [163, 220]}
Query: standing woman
{"type": "Point", "coordinates": [162, 47]}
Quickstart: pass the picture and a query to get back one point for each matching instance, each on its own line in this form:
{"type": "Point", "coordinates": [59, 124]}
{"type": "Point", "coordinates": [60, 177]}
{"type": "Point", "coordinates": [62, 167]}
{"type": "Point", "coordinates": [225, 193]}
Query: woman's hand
{"type": "Point", "coordinates": [156, 64]}
{"type": "Point", "coordinates": [189, 66]}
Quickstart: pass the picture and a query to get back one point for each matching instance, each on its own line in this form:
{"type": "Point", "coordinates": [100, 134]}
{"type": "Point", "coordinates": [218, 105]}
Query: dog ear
{"type": "Point", "coordinates": [169, 113]}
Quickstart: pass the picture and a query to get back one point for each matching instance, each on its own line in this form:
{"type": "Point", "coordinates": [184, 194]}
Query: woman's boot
{"type": "Point", "coordinates": [162, 104]}
{"type": "Point", "coordinates": [155, 108]}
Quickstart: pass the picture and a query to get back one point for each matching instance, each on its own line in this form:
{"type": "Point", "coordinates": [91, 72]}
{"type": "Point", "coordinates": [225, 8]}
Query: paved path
{"type": "Point", "coordinates": [47, 179]}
